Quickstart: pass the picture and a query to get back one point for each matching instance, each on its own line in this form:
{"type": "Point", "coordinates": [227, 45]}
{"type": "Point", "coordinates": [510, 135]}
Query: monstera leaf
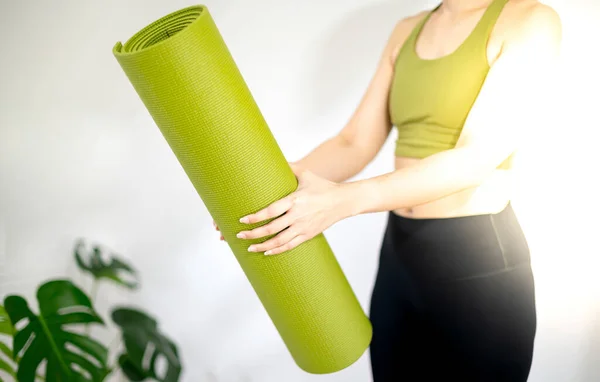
{"type": "Point", "coordinates": [130, 370]}
{"type": "Point", "coordinates": [6, 328]}
{"type": "Point", "coordinates": [70, 356]}
{"type": "Point", "coordinates": [144, 344]}
{"type": "Point", "coordinates": [115, 270]}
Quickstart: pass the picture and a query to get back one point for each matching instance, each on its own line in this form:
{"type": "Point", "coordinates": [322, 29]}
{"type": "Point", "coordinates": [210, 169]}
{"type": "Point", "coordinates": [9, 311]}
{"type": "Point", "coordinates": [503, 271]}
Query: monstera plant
{"type": "Point", "coordinates": [116, 270]}
{"type": "Point", "coordinates": [69, 355]}
{"type": "Point", "coordinates": [141, 337]}
{"type": "Point", "coordinates": [6, 329]}
{"type": "Point", "coordinates": [59, 333]}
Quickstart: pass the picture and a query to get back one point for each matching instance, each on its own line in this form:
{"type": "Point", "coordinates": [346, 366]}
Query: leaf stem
{"type": "Point", "coordinates": [94, 290]}
{"type": "Point", "coordinates": [54, 347]}
{"type": "Point", "coordinates": [93, 295]}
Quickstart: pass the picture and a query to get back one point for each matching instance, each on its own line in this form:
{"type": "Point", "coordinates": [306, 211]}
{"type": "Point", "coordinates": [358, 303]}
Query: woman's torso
{"type": "Point", "coordinates": [491, 196]}
{"type": "Point", "coordinates": [437, 39]}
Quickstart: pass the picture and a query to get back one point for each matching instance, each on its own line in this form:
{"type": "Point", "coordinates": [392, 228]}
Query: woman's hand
{"type": "Point", "coordinates": [222, 238]}
{"type": "Point", "coordinates": [316, 205]}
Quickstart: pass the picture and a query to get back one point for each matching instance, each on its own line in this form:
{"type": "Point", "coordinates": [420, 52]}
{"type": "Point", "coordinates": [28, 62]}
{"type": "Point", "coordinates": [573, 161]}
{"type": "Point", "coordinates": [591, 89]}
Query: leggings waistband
{"type": "Point", "coordinates": [457, 247]}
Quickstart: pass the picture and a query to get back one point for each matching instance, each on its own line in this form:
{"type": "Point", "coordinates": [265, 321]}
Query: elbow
{"type": "Point", "coordinates": [358, 153]}
{"type": "Point", "coordinates": [346, 140]}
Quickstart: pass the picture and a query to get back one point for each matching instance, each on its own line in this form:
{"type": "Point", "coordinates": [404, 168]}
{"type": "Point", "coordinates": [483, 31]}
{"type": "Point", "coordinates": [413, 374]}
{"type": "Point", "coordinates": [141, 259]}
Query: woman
{"type": "Point", "coordinates": [454, 294]}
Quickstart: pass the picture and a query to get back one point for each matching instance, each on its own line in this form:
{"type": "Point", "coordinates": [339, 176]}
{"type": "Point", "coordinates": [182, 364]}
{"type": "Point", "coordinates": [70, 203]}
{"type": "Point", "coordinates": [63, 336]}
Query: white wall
{"type": "Point", "coordinates": [80, 156]}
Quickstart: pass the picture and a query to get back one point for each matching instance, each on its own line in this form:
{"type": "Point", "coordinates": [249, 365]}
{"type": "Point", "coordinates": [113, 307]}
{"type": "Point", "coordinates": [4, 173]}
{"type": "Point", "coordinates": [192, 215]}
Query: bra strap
{"type": "Point", "coordinates": [409, 43]}
{"type": "Point", "coordinates": [485, 26]}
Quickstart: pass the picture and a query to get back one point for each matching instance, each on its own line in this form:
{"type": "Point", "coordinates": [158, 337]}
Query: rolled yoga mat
{"type": "Point", "coordinates": [187, 79]}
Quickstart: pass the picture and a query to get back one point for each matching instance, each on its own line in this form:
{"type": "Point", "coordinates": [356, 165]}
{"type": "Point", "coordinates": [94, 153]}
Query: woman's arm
{"type": "Point", "coordinates": [502, 117]}
{"type": "Point", "coordinates": [346, 154]}
{"type": "Point", "coordinates": [336, 159]}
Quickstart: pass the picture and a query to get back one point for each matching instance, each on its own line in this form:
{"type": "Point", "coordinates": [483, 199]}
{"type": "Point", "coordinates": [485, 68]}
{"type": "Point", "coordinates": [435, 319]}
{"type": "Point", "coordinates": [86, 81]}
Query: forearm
{"type": "Point", "coordinates": [430, 179]}
{"type": "Point", "coordinates": [336, 159]}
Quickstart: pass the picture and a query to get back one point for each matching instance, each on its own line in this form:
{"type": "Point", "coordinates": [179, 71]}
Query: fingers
{"type": "Point", "coordinates": [217, 228]}
{"type": "Point", "coordinates": [271, 228]}
{"type": "Point", "coordinates": [272, 211]}
{"type": "Point", "coordinates": [279, 241]}
{"type": "Point", "coordinates": [287, 246]}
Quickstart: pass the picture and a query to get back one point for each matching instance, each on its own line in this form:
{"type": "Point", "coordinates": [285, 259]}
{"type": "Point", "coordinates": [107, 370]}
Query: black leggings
{"type": "Point", "coordinates": [454, 299]}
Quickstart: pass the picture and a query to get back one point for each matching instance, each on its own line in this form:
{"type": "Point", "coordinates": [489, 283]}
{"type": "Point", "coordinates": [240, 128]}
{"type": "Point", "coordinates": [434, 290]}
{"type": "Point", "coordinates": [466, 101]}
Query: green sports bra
{"type": "Point", "coordinates": [430, 99]}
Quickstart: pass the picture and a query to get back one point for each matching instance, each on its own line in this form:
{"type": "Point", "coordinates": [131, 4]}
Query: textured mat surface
{"type": "Point", "coordinates": [186, 77]}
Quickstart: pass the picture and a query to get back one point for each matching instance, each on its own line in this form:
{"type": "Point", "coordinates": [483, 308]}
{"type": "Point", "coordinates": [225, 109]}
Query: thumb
{"type": "Point", "coordinates": [296, 168]}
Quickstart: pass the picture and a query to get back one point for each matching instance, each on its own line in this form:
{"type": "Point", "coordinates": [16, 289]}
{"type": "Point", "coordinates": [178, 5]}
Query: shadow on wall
{"type": "Point", "coordinates": [591, 355]}
{"type": "Point", "coordinates": [348, 53]}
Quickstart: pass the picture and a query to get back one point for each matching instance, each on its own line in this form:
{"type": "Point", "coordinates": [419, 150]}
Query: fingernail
{"type": "Point", "coordinates": [241, 236]}
{"type": "Point", "coordinates": [251, 248]}
{"type": "Point", "coordinates": [244, 220]}
{"type": "Point", "coordinates": [268, 253]}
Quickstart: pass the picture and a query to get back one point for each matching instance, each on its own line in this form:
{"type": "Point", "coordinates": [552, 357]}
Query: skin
{"type": "Point", "coordinates": [522, 50]}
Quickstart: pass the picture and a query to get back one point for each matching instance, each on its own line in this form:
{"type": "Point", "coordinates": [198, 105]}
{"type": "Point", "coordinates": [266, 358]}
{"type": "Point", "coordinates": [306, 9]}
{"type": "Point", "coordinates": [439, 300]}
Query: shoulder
{"type": "Point", "coordinates": [402, 30]}
{"type": "Point", "coordinates": [529, 53]}
{"type": "Point", "coordinates": [531, 22]}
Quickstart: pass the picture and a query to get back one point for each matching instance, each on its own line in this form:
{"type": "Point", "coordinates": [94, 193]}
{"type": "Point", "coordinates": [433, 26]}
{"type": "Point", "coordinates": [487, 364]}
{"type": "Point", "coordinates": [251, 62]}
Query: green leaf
{"type": "Point", "coordinates": [43, 336]}
{"type": "Point", "coordinates": [7, 329]}
{"type": "Point", "coordinates": [6, 350]}
{"type": "Point", "coordinates": [129, 369]}
{"type": "Point", "coordinates": [116, 270]}
{"type": "Point", "coordinates": [144, 344]}
{"type": "Point", "coordinates": [6, 326]}
{"type": "Point", "coordinates": [7, 368]}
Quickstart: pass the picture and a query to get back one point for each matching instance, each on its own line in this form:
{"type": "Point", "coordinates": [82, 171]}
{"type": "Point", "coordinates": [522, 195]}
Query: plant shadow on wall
{"type": "Point", "coordinates": [59, 335]}
{"type": "Point", "coordinates": [348, 53]}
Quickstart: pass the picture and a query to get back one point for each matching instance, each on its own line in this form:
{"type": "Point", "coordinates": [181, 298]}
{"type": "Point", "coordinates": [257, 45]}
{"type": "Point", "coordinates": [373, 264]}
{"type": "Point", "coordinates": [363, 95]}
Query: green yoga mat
{"type": "Point", "coordinates": [186, 77]}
